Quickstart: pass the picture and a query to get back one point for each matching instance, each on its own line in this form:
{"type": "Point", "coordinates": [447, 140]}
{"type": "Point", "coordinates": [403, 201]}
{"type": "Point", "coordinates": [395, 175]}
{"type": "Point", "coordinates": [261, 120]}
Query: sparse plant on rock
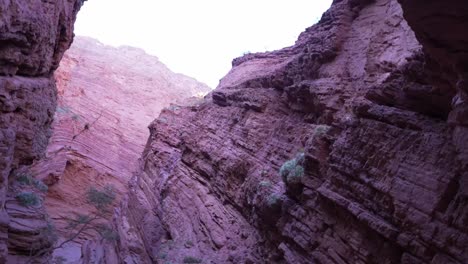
{"type": "Point", "coordinates": [75, 117]}
{"type": "Point", "coordinates": [28, 180]}
{"type": "Point", "coordinates": [101, 200]}
{"type": "Point", "coordinates": [24, 179]}
{"type": "Point", "coordinates": [321, 129]}
{"type": "Point", "coordinates": [190, 259]}
{"type": "Point", "coordinates": [28, 199]}
{"type": "Point", "coordinates": [172, 108]}
{"type": "Point", "coordinates": [41, 186]}
{"type": "Point", "coordinates": [87, 126]}
{"type": "Point", "coordinates": [292, 171]}
{"type": "Point", "coordinates": [63, 110]}
{"type": "Point", "coordinates": [265, 184]}
{"type": "Point", "coordinates": [273, 199]}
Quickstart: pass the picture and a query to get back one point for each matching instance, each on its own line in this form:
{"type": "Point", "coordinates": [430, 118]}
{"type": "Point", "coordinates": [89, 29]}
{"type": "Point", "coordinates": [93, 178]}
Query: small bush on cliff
{"type": "Point", "coordinates": [320, 130]}
{"type": "Point", "coordinates": [273, 199]}
{"type": "Point", "coordinates": [101, 199]}
{"type": "Point", "coordinates": [190, 259]}
{"type": "Point", "coordinates": [293, 170]}
{"type": "Point", "coordinates": [63, 110]}
{"type": "Point", "coordinates": [75, 117]}
{"type": "Point", "coordinates": [40, 185]}
{"type": "Point", "coordinates": [27, 179]}
{"type": "Point", "coordinates": [265, 184]}
{"type": "Point", "coordinates": [24, 179]}
{"type": "Point", "coordinates": [28, 199]}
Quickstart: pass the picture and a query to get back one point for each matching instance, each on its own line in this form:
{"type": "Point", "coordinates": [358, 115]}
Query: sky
{"type": "Point", "coordinates": [199, 38]}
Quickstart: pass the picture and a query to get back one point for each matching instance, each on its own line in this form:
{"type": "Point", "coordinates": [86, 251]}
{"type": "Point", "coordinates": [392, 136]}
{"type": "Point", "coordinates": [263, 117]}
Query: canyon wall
{"type": "Point", "coordinates": [33, 38]}
{"type": "Point", "coordinates": [344, 148]}
{"type": "Point", "coordinates": [348, 147]}
{"type": "Point", "coordinates": [106, 98]}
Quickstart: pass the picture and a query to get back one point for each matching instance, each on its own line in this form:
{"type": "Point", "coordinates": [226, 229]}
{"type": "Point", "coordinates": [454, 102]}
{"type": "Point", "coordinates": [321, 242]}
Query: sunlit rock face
{"type": "Point", "coordinates": [106, 98]}
{"type": "Point", "coordinates": [33, 38]}
{"type": "Point", "coordinates": [378, 174]}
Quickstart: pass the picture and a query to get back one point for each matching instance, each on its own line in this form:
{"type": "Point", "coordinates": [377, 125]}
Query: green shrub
{"type": "Point", "coordinates": [24, 179]}
{"type": "Point", "coordinates": [107, 233]}
{"type": "Point", "coordinates": [75, 117]}
{"type": "Point", "coordinates": [101, 199]}
{"type": "Point", "coordinates": [162, 120]}
{"type": "Point", "coordinates": [63, 109]}
{"type": "Point", "coordinates": [273, 199]}
{"type": "Point", "coordinates": [172, 108]}
{"type": "Point", "coordinates": [41, 186]}
{"type": "Point", "coordinates": [48, 232]}
{"type": "Point", "coordinates": [320, 130]}
{"type": "Point", "coordinates": [28, 199]}
{"type": "Point", "coordinates": [293, 170]}
{"type": "Point", "coordinates": [190, 259]}
{"type": "Point", "coordinates": [265, 184]}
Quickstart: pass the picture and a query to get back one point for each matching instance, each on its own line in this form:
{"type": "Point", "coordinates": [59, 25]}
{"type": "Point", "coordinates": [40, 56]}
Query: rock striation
{"type": "Point", "coordinates": [33, 38]}
{"type": "Point", "coordinates": [344, 148]}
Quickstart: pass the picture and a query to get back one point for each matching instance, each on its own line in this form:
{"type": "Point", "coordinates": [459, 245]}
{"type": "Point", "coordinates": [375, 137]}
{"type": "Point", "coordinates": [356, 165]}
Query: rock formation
{"type": "Point", "coordinates": [344, 148]}
{"type": "Point", "coordinates": [106, 99]}
{"type": "Point", "coordinates": [348, 147]}
{"type": "Point", "coordinates": [33, 38]}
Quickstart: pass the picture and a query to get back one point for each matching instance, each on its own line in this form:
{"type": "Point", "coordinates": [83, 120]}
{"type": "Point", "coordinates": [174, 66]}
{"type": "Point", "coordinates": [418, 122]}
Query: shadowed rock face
{"type": "Point", "coordinates": [106, 98]}
{"type": "Point", "coordinates": [446, 48]}
{"type": "Point", "coordinates": [384, 174]}
{"type": "Point", "coordinates": [33, 37]}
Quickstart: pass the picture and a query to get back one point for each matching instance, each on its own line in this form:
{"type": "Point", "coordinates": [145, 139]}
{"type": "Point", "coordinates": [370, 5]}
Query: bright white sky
{"type": "Point", "coordinates": [199, 38]}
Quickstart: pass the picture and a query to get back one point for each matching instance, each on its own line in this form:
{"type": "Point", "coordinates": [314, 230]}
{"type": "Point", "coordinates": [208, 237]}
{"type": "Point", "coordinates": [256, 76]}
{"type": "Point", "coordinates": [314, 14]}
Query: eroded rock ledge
{"type": "Point", "coordinates": [384, 173]}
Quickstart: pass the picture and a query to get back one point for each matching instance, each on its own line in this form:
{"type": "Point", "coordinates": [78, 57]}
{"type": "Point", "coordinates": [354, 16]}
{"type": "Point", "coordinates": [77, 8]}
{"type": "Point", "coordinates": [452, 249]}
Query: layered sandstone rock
{"type": "Point", "coordinates": [33, 37]}
{"type": "Point", "coordinates": [106, 98]}
{"type": "Point", "coordinates": [384, 173]}
{"type": "Point", "coordinates": [375, 123]}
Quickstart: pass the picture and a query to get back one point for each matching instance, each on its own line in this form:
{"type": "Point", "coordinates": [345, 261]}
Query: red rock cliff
{"type": "Point", "coordinates": [33, 37]}
{"type": "Point", "coordinates": [335, 150]}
